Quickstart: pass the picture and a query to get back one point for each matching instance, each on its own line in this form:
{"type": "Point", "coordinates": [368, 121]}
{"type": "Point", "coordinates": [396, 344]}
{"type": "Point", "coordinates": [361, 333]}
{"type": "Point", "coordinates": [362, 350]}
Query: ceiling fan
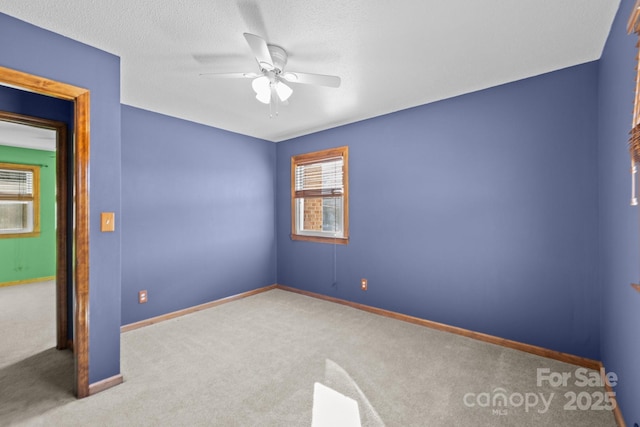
{"type": "Point", "coordinates": [269, 83]}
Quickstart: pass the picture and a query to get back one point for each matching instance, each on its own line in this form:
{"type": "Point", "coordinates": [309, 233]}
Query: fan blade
{"type": "Point", "coordinates": [229, 75]}
{"type": "Point", "coordinates": [217, 58]}
{"type": "Point", "coordinates": [252, 16]}
{"type": "Point", "coordinates": [311, 79]}
{"type": "Point", "coordinates": [260, 51]}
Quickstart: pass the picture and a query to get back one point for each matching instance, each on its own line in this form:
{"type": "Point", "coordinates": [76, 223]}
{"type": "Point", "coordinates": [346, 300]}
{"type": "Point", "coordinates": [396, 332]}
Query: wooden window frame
{"type": "Point", "coordinates": [633, 26]}
{"type": "Point", "coordinates": [317, 157]}
{"type": "Point", "coordinates": [35, 198]}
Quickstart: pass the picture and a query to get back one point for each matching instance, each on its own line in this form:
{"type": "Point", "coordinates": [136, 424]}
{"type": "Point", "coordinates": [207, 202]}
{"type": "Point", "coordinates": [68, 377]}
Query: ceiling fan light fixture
{"type": "Point", "coordinates": [260, 84]}
{"type": "Point", "coordinates": [269, 84]}
{"type": "Point", "coordinates": [262, 87]}
{"type": "Point", "coordinates": [264, 97]}
{"type": "Point", "coordinates": [284, 91]}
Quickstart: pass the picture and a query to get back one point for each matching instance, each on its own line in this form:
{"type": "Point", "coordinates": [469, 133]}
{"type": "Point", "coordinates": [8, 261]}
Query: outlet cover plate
{"type": "Point", "coordinates": [142, 297]}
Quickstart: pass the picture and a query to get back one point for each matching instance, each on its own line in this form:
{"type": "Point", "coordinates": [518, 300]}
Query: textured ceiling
{"type": "Point", "coordinates": [391, 55]}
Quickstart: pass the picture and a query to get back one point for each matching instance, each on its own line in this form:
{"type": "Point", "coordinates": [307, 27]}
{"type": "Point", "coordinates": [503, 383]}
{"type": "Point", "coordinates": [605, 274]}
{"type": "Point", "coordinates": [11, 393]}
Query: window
{"type": "Point", "coordinates": [320, 196]}
{"type": "Point", "coordinates": [19, 200]}
{"type": "Point", "coordinates": [634, 141]}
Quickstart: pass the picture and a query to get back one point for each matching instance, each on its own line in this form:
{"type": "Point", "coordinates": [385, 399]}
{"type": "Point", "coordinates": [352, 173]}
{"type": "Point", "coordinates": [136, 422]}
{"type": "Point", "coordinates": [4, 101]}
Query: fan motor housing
{"type": "Point", "coordinates": [279, 57]}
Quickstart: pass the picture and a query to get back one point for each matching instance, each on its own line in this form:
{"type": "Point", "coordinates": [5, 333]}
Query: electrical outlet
{"type": "Point", "coordinates": [363, 284]}
{"type": "Point", "coordinates": [142, 297]}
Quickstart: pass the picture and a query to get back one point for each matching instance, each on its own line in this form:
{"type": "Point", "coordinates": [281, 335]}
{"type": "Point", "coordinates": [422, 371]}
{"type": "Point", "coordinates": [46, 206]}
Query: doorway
{"type": "Point", "coordinates": [79, 201]}
{"type": "Point", "coordinates": [29, 132]}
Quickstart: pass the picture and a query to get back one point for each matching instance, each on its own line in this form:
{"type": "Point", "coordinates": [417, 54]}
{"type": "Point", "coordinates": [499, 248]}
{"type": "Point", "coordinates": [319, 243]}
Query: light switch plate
{"type": "Point", "coordinates": [107, 221]}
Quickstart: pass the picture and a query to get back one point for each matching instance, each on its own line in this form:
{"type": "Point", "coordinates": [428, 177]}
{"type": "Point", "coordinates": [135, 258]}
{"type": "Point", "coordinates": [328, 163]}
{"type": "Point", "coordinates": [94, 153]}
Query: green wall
{"type": "Point", "coordinates": [27, 258]}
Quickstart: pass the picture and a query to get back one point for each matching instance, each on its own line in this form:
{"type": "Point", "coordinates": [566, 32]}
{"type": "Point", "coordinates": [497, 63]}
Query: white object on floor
{"type": "Point", "coordinates": [333, 409]}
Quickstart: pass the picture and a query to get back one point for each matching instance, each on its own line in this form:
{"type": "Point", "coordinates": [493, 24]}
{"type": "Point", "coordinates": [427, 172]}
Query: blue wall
{"type": "Point", "coordinates": [478, 211]}
{"type": "Point", "coordinates": [34, 50]}
{"type": "Point", "coordinates": [619, 231]}
{"type": "Point", "coordinates": [198, 213]}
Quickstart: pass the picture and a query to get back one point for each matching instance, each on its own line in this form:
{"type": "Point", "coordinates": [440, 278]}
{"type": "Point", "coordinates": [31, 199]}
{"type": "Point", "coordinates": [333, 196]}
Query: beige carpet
{"type": "Point", "coordinates": [254, 362]}
{"type": "Point", "coordinates": [27, 320]}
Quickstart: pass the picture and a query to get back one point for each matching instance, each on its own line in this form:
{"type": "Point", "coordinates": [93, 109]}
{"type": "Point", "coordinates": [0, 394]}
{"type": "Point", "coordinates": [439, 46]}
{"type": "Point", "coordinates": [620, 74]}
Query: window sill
{"type": "Point", "coordinates": [321, 239]}
{"type": "Point", "coordinates": [19, 235]}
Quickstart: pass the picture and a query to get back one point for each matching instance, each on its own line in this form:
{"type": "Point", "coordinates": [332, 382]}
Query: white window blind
{"type": "Point", "coordinates": [19, 209]}
{"type": "Point", "coordinates": [320, 179]}
{"type": "Point", "coordinates": [16, 183]}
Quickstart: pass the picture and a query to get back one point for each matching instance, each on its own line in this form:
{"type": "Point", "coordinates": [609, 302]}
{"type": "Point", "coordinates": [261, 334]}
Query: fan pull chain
{"type": "Point", "coordinates": [273, 100]}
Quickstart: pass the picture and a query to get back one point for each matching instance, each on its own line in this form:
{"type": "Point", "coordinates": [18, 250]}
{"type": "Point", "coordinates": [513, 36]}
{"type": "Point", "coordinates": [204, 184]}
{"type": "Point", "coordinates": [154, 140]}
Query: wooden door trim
{"type": "Point", "coordinates": [62, 327]}
{"type": "Point", "coordinates": [80, 98]}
